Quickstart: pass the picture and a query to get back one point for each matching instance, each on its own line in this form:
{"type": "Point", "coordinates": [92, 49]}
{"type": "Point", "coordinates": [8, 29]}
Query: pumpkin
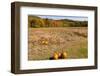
{"type": "Point", "coordinates": [64, 55]}
{"type": "Point", "coordinates": [56, 56]}
{"type": "Point", "coordinates": [46, 42]}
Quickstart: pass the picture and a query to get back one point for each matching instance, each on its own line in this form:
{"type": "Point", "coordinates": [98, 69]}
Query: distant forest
{"type": "Point", "coordinates": [36, 22]}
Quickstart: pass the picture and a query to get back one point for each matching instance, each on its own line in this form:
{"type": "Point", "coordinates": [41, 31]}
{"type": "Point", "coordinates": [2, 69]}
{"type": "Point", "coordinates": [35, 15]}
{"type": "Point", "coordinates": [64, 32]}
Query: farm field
{"type": "Point", "coordinates": [73, 40]}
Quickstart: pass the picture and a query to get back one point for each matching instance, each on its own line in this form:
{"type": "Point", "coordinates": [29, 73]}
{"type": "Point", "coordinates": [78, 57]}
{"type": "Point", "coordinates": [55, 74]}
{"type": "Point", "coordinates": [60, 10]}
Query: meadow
{"type": "Point", "coordinates": [43, 42]}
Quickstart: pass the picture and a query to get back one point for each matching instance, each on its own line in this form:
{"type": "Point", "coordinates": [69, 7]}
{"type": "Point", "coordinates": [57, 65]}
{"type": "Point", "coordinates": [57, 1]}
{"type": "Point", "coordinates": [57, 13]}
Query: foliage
{"type": "Point", "coordinates": [35, 21]}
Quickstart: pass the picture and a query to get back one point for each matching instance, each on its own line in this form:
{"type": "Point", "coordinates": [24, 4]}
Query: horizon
{"type": "Point", "coordinates": [75, 18]}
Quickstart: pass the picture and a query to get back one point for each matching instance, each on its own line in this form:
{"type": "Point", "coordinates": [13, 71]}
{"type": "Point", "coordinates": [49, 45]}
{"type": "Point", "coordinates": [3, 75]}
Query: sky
{"type": "Point", "coordinates": [76, 18]}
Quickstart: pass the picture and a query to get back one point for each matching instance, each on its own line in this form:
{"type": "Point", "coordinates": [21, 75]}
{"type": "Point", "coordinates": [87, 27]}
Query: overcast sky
{"type": "Point", "coordinates": [76, 18]}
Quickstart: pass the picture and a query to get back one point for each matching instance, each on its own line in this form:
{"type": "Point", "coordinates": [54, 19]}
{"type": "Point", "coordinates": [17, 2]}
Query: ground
{"type": "Point", "coordinates": [43, 42]}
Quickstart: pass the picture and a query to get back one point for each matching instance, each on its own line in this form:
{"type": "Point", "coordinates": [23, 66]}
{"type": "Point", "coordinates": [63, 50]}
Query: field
{"type": "Point", "coordinates": [73, 40]}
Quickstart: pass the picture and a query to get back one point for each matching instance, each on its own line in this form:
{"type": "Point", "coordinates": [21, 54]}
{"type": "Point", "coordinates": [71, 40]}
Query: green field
{"type": "Point", "coordinates": [73, 40]}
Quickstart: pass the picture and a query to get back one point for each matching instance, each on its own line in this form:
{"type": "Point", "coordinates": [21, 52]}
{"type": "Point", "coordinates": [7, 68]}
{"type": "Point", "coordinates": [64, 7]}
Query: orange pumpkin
{"type": "Point", "coordinates": [64, 55]}
{"type": "Point", "coordinates": [55, 56]}
{"type": "Point", "coordinates": [46, 42]}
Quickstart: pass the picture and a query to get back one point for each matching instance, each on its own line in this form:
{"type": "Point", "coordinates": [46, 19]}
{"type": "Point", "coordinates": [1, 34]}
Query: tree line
{"type": "Point", "coordinates": [36, 22]}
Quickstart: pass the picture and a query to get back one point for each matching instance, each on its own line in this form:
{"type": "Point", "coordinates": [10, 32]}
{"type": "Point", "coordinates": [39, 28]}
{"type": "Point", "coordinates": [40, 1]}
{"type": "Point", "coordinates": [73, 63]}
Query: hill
{"type": "Point", "coordinates": [36, 22]}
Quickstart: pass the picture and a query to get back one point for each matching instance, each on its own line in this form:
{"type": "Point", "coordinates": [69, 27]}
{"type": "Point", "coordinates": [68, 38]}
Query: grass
{"type": "Point", "coordinates": [79, 53]}
{"type": "Point", "coordinates": [43, 42]}
{"type": "Point", "coordinates": [83, 52]}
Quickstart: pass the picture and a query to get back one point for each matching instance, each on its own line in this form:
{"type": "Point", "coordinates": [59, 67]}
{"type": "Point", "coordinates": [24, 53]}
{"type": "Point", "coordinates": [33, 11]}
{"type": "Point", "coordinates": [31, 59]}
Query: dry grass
{"type": "Point", "coordinates": [43, 42]}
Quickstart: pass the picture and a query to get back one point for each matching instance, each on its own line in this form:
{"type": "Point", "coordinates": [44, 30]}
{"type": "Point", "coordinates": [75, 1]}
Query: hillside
{"type": "Point", "coordinates": [36, 22]}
